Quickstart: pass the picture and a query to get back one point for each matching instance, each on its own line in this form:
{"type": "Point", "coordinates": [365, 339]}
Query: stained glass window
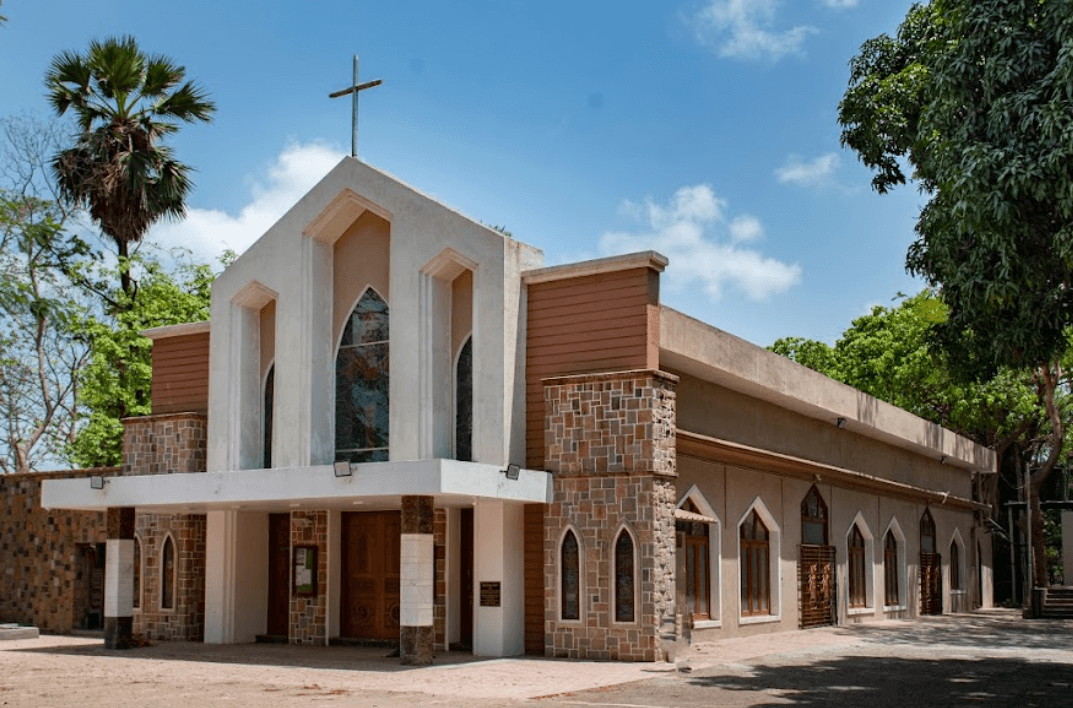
{"type": "Point", "coordinates": [270, 386]}
{"type": "Point", "coordinates": [570, 602]}
{"type": "Point", "coordinates": [361, 383]}
{"type": "Point", "coordinates": [137, 572]}
{"type": "Point", "coordinates": [955, 566]}
{"type": "Point", "coordinates": [464, 403]}
{"type": "Point", "coordinates": [624, 577]}
{"type": "Point", "coordinates": [813, 519]}
{"type": "Point", "coordinates": [167, 564]}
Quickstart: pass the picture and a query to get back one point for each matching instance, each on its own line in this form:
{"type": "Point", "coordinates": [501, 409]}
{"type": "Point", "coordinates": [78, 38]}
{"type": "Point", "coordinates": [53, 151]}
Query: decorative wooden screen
{"type": "Point", "coordinates": [931, 584]}
{"type": "Point", "coordinates": [816, 579]}
{"type": "Point", "coordinates": [755, 567]}
{"type": "Point", "coordinates": [890, 570]}
{"type": "Point", "coordinates": [857, 582]}
{"type": "Point", "coordinates": [624, 577]}
{"type": "Point", "coordinates": [570, 597]}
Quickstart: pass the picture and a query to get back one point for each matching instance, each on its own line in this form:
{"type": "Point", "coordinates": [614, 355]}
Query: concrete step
{"type": "Point", "coordinates": [14, 631]}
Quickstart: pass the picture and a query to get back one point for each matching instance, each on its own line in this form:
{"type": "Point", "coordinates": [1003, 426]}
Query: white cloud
{"type": "Point", "coordinates": [840, 4]}
{"type": "Point", "coordinates": [207, 232]}
{"type": "Point", "coordinates": [703, 247]}
{"type": "Point", "coordinates": [743, 29]}
{"type": "Point", "coordinates": [815, 173]}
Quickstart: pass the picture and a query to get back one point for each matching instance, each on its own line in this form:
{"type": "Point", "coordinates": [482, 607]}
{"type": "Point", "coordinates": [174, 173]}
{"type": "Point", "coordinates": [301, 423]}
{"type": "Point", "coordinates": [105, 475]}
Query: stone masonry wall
{"type": "Point", "coordinates": [165, 444]}
{"type": "Point", "coordinates": [309, 615]}
{"type": "Point", "coordinates": [40, 573]}
{"type": "Point", "coordinates": [187, 619]}
{"type": "Point", "coordinates": [609, 442]}
{"type": "Point", "coordinates": [439, 597]}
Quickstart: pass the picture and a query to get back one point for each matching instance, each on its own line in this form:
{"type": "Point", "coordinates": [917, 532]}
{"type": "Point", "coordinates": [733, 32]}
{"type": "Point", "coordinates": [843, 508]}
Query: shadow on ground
{"type": "Point", "coordinates": [994, 630]}
{"type": "Point", "coordinates": [890, 682]}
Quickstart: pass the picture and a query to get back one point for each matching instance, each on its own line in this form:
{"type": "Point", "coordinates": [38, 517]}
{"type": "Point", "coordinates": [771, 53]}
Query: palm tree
{"type": "Point", "coordinates": [125, 102]}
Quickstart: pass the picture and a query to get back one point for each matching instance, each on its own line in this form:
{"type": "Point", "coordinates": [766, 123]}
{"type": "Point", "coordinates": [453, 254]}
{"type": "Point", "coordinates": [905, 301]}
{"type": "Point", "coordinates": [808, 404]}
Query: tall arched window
{"type": "Point", "coordinates": [137, 599]}
{"type": "Point", "coordinates": [167, 575]}
{"type": "Point", "coordinates": [813, 519]}
{"type": "Point", "coordinates": [361, 383]}
{"type": "Point", "coordinates": [464, 403]}
{"type": "Point", "coordinates": [955, 565]}
{"type": "Point", "coordinates": [624, 577]}
{"type": "Point", "coordinates": [857, 582]}
{"type": "Point", "coordinates": [270, 392]}
{"type": "Point", "coordinates": [927, 533]}
{"type": "Point", "coordinates": [890, 570]}
{"type": "Point", "coordinates": [570, 578]}
{"type": "Point", "coordinates": [694, 541]}
{"type": "Point", "coordinates": [755, 569]}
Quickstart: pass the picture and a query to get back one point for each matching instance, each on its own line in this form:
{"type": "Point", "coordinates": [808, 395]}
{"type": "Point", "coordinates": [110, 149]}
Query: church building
{"type": "Point", "coordinates": [400, 426]}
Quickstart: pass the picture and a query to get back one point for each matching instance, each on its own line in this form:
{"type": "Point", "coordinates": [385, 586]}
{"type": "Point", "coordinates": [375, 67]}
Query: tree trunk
{"type": "Point", "coordinates": [1049, 375]}
{"type": "Point", "coordinates": [124, 268]}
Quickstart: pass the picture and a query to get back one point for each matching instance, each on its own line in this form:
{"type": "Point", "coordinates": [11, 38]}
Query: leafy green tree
{"type": "Point", "coordinates": [125, 103]}
{"type": "Point", "coordinates": [975, 97]}
{"type": "Point", "coordinates": [116, 382]}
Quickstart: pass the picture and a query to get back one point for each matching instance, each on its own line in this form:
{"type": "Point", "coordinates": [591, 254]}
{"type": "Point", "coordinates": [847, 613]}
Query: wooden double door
{"type": "Point", "coordinates": [370, 597]}
{"type": "Point", "coordinates": [816, 578]}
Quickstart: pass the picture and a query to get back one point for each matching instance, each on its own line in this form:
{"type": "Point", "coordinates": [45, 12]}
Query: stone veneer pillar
{"type": "Point", "coordinates": [416, 577]}
{"type": "Point", "coordinates": [609, 443]}
{"type": "Point", "coordinates": [119, 579]}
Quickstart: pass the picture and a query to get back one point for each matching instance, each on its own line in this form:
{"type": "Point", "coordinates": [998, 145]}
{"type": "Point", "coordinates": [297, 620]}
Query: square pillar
{"type": "Point", "coordinates": [119, 579]}
{"type": "Point", "coordinates": [499, 583]}
{"type": "Point", "coordinates": [416, 582]}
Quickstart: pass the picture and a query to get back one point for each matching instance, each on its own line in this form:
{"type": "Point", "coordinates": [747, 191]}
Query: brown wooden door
{"type": "Point", "coordinates": [931, 584]}
{"type": "Point", "coordinates": [465, 556]}
{"type": "Point", "coordinates": [279, 564]}
{"type": "Point", "coordinates": [816, 577]}
{"type": "Point", "coordinates": [370, 603]}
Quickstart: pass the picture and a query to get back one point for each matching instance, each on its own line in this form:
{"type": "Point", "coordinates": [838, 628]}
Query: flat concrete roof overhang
{"type": "Point", "coordinates": [693, 347]}
{"type": "Point", "coordinates": [374, 485]}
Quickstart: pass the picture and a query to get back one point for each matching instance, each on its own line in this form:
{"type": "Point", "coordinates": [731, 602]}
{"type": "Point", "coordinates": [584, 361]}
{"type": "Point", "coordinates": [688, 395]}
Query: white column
{"type": "Point", "coordinates": [118, 571]}
{"type": "Point", "coordinates": [416, 576]}
{"type": "Point", "coordinates": [499, 557]}
{"type": "Point", "coordinates": [236, 577]}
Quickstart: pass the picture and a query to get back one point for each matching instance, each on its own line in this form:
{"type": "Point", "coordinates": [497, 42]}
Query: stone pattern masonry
{"type": "Point", "coordinates": [186, 620]}
{"type": "Point", "coordinates": [609, 443]}
{"type": "Point", "coordinates": [165, 444]}
{"type": "Point", "coordinates": [309, 615]}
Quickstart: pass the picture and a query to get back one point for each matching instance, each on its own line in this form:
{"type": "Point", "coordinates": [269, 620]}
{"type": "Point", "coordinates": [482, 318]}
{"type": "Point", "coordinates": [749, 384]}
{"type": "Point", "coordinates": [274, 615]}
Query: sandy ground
{"type": "Point", "coordinates": [767, 669]}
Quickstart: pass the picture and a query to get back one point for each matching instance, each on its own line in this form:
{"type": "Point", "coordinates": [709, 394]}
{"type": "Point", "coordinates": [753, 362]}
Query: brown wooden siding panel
{"type": "Point", "coordinates": [534, 578]}
{"type": "Point", "coordinates": [586, 324]}
{"type": "Point", "coordinates": [181, 374]}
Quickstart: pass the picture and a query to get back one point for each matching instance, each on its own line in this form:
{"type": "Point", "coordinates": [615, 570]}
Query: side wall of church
{"type": "Point", "coordinates": [186, 619]}
{"type": "Point", "coordinates": [610, 446]}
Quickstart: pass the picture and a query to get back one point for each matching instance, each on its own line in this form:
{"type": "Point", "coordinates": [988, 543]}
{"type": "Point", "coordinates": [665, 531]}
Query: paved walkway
{"type": "Point", "coordinates": [64, 670]}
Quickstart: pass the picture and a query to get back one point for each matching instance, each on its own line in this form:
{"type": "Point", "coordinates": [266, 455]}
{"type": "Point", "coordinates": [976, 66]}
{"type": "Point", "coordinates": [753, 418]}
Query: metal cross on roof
{"type": "Point", "coordinates": [353, 91]}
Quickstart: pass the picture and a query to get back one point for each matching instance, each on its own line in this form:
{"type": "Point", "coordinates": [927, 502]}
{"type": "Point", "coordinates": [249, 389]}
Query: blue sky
{"type": "Point", "coordinates": [704, 129]}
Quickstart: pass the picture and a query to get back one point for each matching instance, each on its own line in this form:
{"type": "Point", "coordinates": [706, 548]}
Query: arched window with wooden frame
{"type": "Point", "coordinates": [625, 577]}
{"type": "Point", "coordinates": [755, 569]}
{"type": "Point", "coordinates": [858, 584]}
{"type": "Point", "coordinates": [570, 577]}
{"type": "Point", "coordinates": [167, 574]}
{"type": "Point", "coordinates": [814, 519]}
{"type": "Point", "coordinates": [931, 568]}
{"type": "Point", "coordinates": [464, 402]}
{"type": "Point", "coordinates": [694, 542]}
{"type": "Point", "coordinates": [361, 383]}
{"type": "Point", "coordinates": [891, 595]}
{"type": "Point", "coordinates": [137, 598]}
{"type": "Point", "coordinates": [269, 402]}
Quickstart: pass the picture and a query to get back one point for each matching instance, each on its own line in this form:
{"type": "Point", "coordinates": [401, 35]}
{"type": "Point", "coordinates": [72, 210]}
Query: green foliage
{"type": "Point", "coordinates": [976, 97]}
{"type": "Point", "coordinates": [886, 354]}
{"type": "Point", "coordinates": [126, 103]}
{"type": "Point", "coordinates": [116, 382]}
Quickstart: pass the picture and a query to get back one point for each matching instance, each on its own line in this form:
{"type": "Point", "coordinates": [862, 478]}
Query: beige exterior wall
{"type": "Point", "coordinates": [731, 491]}
{"type": "Point", "coordinates": [361, 259]}
{"type": "Point", "coordinates": [718, 412]}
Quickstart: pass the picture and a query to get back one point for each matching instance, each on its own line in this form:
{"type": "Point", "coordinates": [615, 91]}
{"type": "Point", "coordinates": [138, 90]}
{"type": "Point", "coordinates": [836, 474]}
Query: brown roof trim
{"type": "Point", "coordinates": [643, 259]}
{"type": "Point", "coordinates": [176, 330]}
{"type": "Point", "coordinates": [609, 376]}
{"type": "Point", "coordinates": [715, 450]}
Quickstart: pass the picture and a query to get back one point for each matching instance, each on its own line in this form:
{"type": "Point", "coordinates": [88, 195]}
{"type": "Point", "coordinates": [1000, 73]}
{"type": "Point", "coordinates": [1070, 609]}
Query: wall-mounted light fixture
{"type": "Point", "coordinates": [841, 423]}
{"type": "Point", "coordinates": [96, 482]}
{"type": "Point", "coordinates": [513, 471]}
{"type": "Point", "coordinates": [342, 469]}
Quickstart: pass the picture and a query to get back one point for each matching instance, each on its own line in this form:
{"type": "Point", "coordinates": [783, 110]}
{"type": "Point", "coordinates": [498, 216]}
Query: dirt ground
{"type": "Point", "coordinates": [992, 658]}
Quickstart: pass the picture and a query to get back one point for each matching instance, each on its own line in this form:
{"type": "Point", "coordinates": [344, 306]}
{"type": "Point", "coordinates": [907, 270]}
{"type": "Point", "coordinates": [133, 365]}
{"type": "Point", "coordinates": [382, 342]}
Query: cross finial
{"type": "Point", "coordinates": [353, 91]}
